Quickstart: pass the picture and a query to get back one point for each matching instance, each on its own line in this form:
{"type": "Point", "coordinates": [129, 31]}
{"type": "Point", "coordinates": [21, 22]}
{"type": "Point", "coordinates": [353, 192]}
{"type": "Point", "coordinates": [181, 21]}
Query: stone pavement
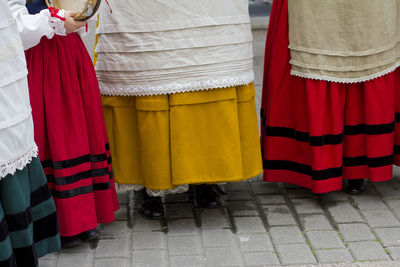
{"type": "Point", "coordinates": [257, 224]}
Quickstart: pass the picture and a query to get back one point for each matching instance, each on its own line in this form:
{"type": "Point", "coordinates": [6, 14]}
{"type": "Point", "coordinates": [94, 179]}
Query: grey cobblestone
{"type": "Point", "coordinates": [260, 259]}
{"type": "Point", "coordinates": [356, 232]}
{"type": "Point", "coordinates": [148, 240]}
{"type": "Point", "coordinates": [324, 239]}
{"type": "Point", "coordinates": [183, 261]}
{"type": "Point", "coordinates": [249, 225]}
{"type": "Point", "coordinates": [75, 260]}
{"type": "Point", "coordinates": [286, 235]}
{"type": "Point", "coordinates": [184, 245]}
{"type": "Point", "coordinates": [394, 253]}
{"type": "Point", "coordinates": [255, 243]}
{"type": "Point", "coordinates": [261, 188]}
{"type": "Point", "coordinates": [182, 227]}
{"type": "Point", "coordinates": [279, 215]}
{"type": "Point", "coordinates": [271, 199]}
{"type": "Point", "coordinates": [213, 219]}
{"type": "Point", "coordinates": [389, 236]}
{"type": "Point", "coordinates": [307, 206]}
{"type": "Point", "coordinates": [368, 202]}
{"type": "Point", "coordinates": [218, 238]}
{"type": "Point", "coordinates": [243, 208]}
{"type": "Point", "coordinates": [344, 212]}
{"type": "Point", "coordinates": [223, 257]}
{"type": "Point", "coordinates": [296, 254]}
{"type": "Point", "coordinates": [179, 211]}
{"type": "Point", "coordinates": [113, 248]}
{"type": "Point", "coordinates": [112, 262]}
{"type": "Point", "coordinates": [243, 195]}
{"type": "Point", "coordinates": [149, 258]}
{"type": "Point", "coordinates": [334, 256]}
{"type": "Point", "coordinates": [315, 222]}
{"type": "Point", "coordinates": [368, 251]}
{"type": "Point", "coordinates": [380, 218]}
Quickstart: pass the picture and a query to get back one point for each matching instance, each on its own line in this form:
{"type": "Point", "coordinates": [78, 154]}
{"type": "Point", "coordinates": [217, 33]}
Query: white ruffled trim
{"type": "Point", "coordinates": [154, 193]}
{"type": "Point", "coordinates": [57, 24]}
{"type": "Point", "coordinates": [345, 80]}
{"type": "Point", "coordinates": [18, 163]}
{"type": "Point", "coordinates": [174, 88]}
{"type": "Point", "coordinates": [162, 193]}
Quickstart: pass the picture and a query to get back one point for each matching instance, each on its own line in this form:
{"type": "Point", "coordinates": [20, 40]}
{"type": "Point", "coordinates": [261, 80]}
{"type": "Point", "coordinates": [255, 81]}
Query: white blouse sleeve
{"type": "Point", "coordinates": [33, 27]}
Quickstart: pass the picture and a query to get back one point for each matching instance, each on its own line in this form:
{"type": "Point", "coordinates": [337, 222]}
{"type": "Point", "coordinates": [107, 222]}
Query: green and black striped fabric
{"type": "Point", "coordinates": [28, 220]}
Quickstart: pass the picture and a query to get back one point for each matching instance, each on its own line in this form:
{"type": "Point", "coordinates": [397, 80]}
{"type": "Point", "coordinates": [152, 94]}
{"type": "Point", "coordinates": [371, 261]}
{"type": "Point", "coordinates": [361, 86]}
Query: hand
{"type": "Point", "coordinates": [70, 24]}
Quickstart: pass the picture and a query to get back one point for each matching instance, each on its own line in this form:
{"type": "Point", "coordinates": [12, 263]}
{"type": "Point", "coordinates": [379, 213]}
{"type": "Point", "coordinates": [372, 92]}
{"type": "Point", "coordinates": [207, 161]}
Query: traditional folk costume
{"type": "Point", "coordinates": [68, 118]}
{"type": "Point", "coordinates": [28, 220]}
{"type": "Point", "coordinates": [331, 92]}
{"type": "Point", "coordinates": [178, 93]}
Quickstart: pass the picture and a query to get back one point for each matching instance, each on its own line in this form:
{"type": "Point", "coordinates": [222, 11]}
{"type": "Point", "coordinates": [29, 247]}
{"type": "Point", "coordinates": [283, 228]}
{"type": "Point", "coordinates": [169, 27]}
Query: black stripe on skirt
{"type": "Point", "coordinates": [77, 177]}
{"type": "Point", "coordinates": [303, 169]}
{"type": "Point", "coordinates": [10, 262]}
{"type": "Point", "coordinates": [80, 190]}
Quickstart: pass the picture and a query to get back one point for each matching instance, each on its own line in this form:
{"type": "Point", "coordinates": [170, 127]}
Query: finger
{"type": "Point", "coordinates": [73, 13]}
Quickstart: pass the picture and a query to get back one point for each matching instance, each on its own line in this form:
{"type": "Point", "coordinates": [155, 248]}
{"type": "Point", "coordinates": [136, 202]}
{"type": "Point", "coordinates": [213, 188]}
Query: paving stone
{"type": "Point", "coordinates": [388, 236]}
{"type": "Point", "coordinates": [223, 257]}
{"type": "Point", "coordinates": [75, 260]}
{"type": "Point", "coordinates": [179, 211]}
{"type": "Point", "coordinates": [213, 219]}
{"type": "Point", "coordinates": [218, 238]}
{"type": "Point", "coordinates": [149, 258]}
{"type": "Point", "coordinates": [368, 202]}
{"type": "Point", "coordinates": [344, 212]}
{"type": "Point", "coordinates": [239, 195]}
{"type": "Point", "coordinates": [116, 262]}
{"type": "Point", "coordinates": [368, 251]}
{"type": "Point", "coordinates": [148, 240]}
{"type": "Point", "coordinates": [123, 196]}
{"type": "Point", "coordinates": [279, 215]}
{"type": "Point", "coordinates": [84, 247]}
{"type": "Point", "coordinates": [47, 263]}
{"type": "Point", "coordinates": [394, 253]}
{"type": "Point", "coordinates": [243, 208]}
{"type": "Point", "coordinates": [117, 230]}
{"type": "Point", "coordinates": [255, 242]}
{"type": "Point", "coordinates": [260, 259]}
{"type": "Point", "coordinates": [335, 196]}
{"type": "Point", "coordinates": [249, 225]}
{"type": "Point", "coordinates": [356, 232]}
{"type": "Point", "coordinates": [189, 261]}
{"type": "Point", "coordinates": [52, 256]}
{"type": "Point", "coordinates": [184, 245]}
{"type": "Point", "coordinates": [307, 206]}
{"type": "Point", "coordinates": [299, 193]}
{"type": "Point", "coordinates": [182, 227]}
{"type": "Point", "coordinates": [261, 188]}
{"type": "Point", "coordinates": [380, 218]}
{"type": "Point", "coordinates": [142, 224]}
{"type": "Point", "coordinates": [122, 213]}
{"type": "Point", "coordinates": [271, 199]}
{"type": "Point", "coordinates": [240, 186]}
{"type": "Point", "coordinates": [394, 204]}
{"type": "Point", "coordinates": [324, 239]}
{"type": "Point", "coordinates": [334, 256]}
{"type": "Point", "coordinates": [113, 248]}
{"type": "Point", "coordinates": [315, 222]}
{"type": "Point", "coordinates": [296, 254]}
{"type": "Point", "coordinates": [286, 235]}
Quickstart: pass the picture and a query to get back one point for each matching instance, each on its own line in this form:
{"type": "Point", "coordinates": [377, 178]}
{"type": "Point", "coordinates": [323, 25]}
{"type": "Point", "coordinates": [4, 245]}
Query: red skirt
{"type": "Point", "coordinates": [71, 134]}
{"type": "Point", "coordinates": [316, 133]}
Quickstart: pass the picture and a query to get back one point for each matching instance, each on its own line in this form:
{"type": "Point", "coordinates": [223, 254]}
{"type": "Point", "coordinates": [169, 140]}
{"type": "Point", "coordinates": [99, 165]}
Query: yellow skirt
{"type": "Point", "coordinates": [164, 141]}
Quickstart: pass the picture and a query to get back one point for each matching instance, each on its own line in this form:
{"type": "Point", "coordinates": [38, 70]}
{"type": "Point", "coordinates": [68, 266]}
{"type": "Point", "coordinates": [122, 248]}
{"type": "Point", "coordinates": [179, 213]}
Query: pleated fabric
{"type": "Point", "coordinates": [70, 133]}
{"type": "Point", "coordinates": [316, 133]}
{"type": "Point", "coordinates": [164, 141]}
{"type": "Point", "coordinates": [28, 220]}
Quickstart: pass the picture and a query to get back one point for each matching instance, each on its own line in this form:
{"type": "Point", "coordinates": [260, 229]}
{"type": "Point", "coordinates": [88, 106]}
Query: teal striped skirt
{"type": "Point", "coordinates": [28, 220]}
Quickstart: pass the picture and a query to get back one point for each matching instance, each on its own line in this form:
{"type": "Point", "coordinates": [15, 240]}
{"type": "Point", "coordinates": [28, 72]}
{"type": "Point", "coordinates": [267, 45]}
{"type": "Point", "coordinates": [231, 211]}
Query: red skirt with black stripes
{"type": "Point", "coordinates": [316, 133]}
{"type": "Point", "coordinates": [71, 134]}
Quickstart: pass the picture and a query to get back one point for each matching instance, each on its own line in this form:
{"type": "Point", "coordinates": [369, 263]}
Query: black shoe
{"type": "Point", "coordinates": [90, 235]}
{"type": "Point", "coordinates": [207, 195]}
{"type": "Point", "coordinates": [355, 186]}
{"type": "Point", "coordinates": [70, 241]}
{"type": "Point", "coordinates": [151, 208]}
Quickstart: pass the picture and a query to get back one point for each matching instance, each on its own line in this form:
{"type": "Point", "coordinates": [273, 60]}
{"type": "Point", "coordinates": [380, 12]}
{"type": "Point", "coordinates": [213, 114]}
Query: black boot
{"type": "Point", "coordinates": [355, 186]}
{"type": "Point", "coordinates": [151, 208]}
{"type": "Point", "coordinates": [206, 195]}
{"type": "Point", "coordinates": [90, 235]}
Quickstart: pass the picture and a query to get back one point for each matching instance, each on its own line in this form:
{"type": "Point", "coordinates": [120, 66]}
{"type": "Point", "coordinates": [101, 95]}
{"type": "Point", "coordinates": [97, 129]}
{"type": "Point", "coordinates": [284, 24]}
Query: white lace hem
{"type": "Point", "coordinates": [57, 24]}
{"type": "Point", "coordinates": [18, 163]}
{"type": "Point", "coordinates": [154, 193]}
{"type": "Point", "coordinates": [174, 88]}
{"type": "Point", "coordinates": [345, 80]}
